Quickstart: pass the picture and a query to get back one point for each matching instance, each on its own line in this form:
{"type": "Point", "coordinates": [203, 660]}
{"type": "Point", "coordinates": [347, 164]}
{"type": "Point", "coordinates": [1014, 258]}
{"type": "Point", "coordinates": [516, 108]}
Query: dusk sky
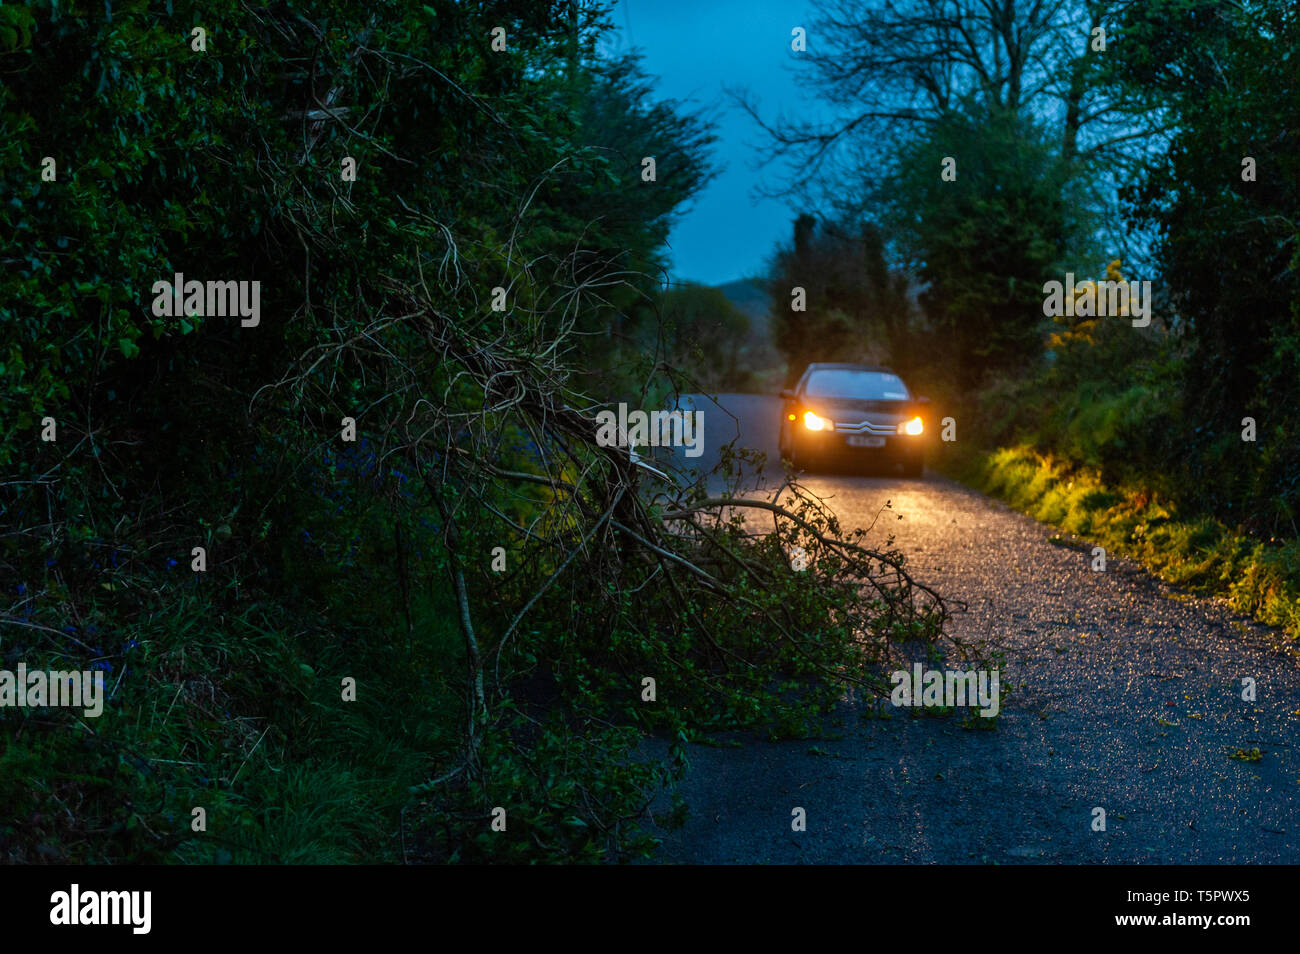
{"type": "Point", "coordinates": [695, 48]}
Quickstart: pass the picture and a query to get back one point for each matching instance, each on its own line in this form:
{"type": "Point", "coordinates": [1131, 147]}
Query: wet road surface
{"type": "Point", "coordinates": [1127, 696]}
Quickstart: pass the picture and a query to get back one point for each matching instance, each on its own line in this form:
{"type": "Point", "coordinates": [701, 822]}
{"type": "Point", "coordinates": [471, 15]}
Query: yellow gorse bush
{"type": "Point", "coordinates": [1079, 330]}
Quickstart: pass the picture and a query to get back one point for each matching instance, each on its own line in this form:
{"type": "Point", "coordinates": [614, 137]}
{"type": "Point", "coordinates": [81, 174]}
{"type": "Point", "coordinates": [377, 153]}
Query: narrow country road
{"type": "Point", "coordinates": [1127, 695]}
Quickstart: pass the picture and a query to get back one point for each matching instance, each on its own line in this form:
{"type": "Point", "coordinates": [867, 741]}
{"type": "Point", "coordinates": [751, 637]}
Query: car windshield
{"type": "Point", "coordinates": [857, 384]}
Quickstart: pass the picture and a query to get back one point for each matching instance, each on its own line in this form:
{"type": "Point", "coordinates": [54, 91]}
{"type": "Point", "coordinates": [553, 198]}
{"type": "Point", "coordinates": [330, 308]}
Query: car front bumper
{"type": "Point", "coordinates": [839, 443]}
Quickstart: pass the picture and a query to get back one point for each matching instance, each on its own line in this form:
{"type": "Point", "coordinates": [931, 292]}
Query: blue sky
{"type": "Point", "coordinates": [696, 47]}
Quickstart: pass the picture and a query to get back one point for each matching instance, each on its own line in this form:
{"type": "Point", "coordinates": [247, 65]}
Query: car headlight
{"type": "Point", "coordinates": [815, 423]}
{"type": "Point", "coordinates": [913, 427]}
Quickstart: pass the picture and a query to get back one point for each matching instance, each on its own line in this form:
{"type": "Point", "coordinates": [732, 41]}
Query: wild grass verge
{"type": "Point", "coordinates": [1255, 577]}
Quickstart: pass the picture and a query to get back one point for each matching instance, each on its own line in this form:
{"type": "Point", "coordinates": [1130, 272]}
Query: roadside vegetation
{"type": "Point", "coordinates": [362, 584]}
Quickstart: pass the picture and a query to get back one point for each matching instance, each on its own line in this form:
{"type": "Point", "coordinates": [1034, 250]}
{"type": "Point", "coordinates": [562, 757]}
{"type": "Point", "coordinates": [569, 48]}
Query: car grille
{"type": "Point", "coordinates": [866, 427]}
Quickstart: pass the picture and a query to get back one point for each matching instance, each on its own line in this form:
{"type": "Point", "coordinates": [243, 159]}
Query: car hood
{"type": "Point", "coordinates": [850, 409]}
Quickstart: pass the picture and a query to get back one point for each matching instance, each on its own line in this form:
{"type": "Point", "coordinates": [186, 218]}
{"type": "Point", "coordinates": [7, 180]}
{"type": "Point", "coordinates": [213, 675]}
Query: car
{"type": "Point", "coordinates": [853, 413]}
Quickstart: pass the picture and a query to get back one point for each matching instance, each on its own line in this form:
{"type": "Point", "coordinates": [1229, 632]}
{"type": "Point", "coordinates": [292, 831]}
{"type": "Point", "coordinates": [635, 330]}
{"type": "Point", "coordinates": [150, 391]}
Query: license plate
{"type": "Point", "coordinates": [861, 441]}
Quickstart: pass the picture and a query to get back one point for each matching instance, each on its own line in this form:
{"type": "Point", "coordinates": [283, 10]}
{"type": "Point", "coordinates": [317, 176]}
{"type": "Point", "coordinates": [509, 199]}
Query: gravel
{"type": "Point", "coordinates": [1126, 695]}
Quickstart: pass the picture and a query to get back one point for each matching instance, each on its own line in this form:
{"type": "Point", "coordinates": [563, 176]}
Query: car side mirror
{"type": "Point", "coordinates": [787, 394]}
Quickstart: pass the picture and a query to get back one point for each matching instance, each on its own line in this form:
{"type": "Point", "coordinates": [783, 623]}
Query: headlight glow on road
{"type": "Point", "coordinates": [913, 427]}
{"type": "Point", "coordinates": [815, 423]}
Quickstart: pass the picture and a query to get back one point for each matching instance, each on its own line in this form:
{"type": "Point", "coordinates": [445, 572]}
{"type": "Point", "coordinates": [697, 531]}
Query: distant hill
{"type": "Point", "coordinates": [751, 299]}
{"type": "Point", "coordinates": [760, 355]}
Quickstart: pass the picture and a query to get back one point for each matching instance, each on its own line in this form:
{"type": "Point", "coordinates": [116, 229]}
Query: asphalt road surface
{"type": "Point", "coordinates": [1128, 697]}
